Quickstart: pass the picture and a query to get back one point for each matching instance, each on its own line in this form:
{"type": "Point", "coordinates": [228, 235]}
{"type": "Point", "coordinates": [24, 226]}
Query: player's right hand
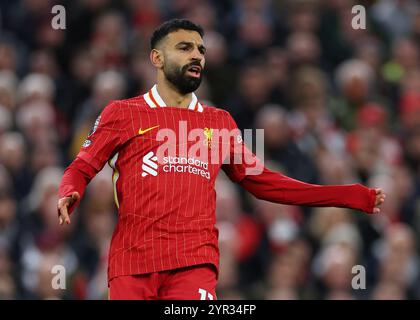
{"type": "Point", "coordinates": [380, 198]}
{"type": "Point", "coordinates": [63, 205]}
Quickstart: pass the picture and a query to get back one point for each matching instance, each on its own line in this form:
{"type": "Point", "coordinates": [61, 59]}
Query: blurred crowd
{"type": "Point", "coordinates": [338, 106]}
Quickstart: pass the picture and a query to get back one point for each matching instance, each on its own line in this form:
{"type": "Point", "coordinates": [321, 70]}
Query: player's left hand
{"type": "Point", "coordinates": [380, 198]}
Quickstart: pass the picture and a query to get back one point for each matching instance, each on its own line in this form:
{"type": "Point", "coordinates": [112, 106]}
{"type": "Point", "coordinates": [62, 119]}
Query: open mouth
{"type": "Point", "coordinates": [194, 71]}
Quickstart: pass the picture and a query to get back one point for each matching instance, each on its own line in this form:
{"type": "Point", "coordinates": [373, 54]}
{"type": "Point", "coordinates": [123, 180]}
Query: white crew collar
{"type": "Point", "coordinates": [154, 100]}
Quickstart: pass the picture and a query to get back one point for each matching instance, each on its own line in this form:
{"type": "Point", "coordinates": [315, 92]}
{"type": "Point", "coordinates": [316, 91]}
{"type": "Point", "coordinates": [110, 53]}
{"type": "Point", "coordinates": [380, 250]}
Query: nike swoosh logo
{"type": "Point", "coordinates": [147, 130]}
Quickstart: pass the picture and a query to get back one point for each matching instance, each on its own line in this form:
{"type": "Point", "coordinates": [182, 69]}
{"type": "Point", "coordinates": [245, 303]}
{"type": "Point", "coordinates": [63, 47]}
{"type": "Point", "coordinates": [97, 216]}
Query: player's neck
{"type": "Point", "coordinates": [171, 96]}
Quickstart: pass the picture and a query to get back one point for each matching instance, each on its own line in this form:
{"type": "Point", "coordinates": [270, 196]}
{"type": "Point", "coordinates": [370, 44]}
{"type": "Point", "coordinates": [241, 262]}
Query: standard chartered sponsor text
{"type": "Point", "coordinates": [186, 164]}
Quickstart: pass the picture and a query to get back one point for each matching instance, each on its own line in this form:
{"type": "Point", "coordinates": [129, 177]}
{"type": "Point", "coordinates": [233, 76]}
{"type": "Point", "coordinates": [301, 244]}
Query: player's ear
{"type": "Point", "coordinates": [156, 57]}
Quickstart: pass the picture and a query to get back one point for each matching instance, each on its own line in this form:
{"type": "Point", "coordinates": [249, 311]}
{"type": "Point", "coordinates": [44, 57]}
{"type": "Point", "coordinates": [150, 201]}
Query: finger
{"type": "Point", "coordinates": [75, 196]}
{"type": "Point", "coordinates": [379, 200]}
{"type": "Point", "coordinates": [376, 210]}
{"type": "Point", "coordinates": [60, 218]}
{"type": "Point", "coordinates": [378, 191]}
{"type": "Point", "coordinates": [64, 213]}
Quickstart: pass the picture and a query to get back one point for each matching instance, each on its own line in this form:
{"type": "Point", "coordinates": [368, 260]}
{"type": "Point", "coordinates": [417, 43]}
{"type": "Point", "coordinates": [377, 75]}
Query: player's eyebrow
{"type": "Point", "coordinates": [201, 47]}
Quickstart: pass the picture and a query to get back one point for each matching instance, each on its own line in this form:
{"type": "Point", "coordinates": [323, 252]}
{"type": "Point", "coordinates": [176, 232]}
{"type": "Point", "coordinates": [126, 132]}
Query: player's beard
{"type": "Point", "coordinates": [176, 75]}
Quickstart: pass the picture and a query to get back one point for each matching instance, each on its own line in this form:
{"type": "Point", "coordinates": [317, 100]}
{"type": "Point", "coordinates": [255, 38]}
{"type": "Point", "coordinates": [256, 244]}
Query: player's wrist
{"type": "Point", "coordinates": [366, 197]}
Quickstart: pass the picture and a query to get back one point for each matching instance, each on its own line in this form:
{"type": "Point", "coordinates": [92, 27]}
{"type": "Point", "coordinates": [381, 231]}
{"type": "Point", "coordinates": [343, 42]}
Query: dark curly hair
{"type": "Point", "coordinates": [171, 26]}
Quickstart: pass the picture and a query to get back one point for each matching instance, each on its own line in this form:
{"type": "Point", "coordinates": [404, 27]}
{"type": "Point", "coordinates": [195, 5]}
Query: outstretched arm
{"type": "Point", "coordinates": [265, 184]}
{"type": "Point", "coordinates": [275, 187]}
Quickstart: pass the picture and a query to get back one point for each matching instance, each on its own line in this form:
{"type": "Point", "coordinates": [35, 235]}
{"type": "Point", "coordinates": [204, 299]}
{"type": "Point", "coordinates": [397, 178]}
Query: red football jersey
{"type": "Point", "coordinates": [165, 161]}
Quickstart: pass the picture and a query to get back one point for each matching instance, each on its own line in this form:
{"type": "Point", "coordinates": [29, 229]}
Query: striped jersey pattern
{"type": "Point", "coordinates": [166, 211]}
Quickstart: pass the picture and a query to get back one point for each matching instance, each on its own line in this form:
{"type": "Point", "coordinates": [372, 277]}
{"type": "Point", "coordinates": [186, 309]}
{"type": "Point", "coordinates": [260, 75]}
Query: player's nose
{"type": "Point", "coordinates": [197, 55]}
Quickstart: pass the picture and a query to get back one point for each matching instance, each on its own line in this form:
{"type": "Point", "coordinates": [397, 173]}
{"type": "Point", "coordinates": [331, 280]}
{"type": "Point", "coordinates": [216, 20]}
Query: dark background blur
{"type": "Point", "coordinates": [338, 106]}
